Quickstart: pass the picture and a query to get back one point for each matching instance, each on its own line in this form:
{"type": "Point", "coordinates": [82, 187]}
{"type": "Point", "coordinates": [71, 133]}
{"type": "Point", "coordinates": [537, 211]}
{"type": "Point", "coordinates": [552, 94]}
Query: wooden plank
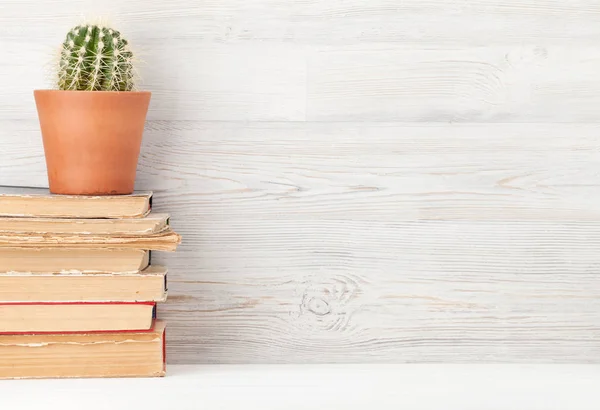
{"type": "Point", "coordinates": [279, 82]}
{"type": "Point", "coordinates": [430, 22]}
{"type": "Point", "coordinates": [486, 84]}
{"type": "Point", "coordinates": [407, 61]}
{"type": "Point", "coordinates": [385, 172]}
{"type": "Point", "coordinates": [388, 172]}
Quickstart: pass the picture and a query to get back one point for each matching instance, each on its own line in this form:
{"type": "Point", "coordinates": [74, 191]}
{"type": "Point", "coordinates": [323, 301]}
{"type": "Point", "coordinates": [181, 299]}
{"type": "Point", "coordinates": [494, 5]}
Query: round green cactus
{"type": "Point", "coordinates": [95, 58]}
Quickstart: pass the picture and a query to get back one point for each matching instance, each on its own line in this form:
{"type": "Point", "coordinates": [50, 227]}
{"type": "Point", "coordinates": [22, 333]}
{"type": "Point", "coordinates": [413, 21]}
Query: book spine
{"type": "Point", "coordinates": [82, 332]}
{"type": "Point", "coordinates": [164, 349]}
{"type": "Point", "coordinates": [76, 303]}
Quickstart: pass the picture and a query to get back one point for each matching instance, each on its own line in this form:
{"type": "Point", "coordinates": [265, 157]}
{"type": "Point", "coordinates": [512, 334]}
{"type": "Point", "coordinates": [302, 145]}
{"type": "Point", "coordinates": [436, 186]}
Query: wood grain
{"type": "Point", "coordinates": [429, 22]}
{"type": "Point", "coordinates": [356, 181]}
{"type": "Point", "coordinates": [363, 171]}
{"type": "Point", "coordinates": [378, 242]}
{"type": "Point", "coordinates": [279, 82]}
{"type": "Point", "coordinates": [263, 60]}
{"type": "Point", "coordinates": [308, 321]}
{"type": "Point", "coordinates": [529, 83]}
{"type": "Point", "coordinates": [212, 82]}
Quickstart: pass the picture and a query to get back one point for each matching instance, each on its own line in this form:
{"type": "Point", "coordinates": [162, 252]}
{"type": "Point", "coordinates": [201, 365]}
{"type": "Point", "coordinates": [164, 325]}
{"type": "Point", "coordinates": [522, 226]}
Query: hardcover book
{"type": "Point", "coordinates": [151, 224]}
{"type": "Point", "coordinates": [70, 260]}
{"type": "Point", "coordinates": [149, 285]}
{"type": "Point", "coordinates": [67, 317]}
{"type": "Point", "coordinates": [116, 354]}
{"type": "Point", "coordinates": [166, 240]}
{"type": "Point", "coordinates": [38, 202]}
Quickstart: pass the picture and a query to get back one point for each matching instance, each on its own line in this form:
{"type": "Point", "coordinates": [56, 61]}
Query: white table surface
{"type": "Point", "coordinates": [413, 387]}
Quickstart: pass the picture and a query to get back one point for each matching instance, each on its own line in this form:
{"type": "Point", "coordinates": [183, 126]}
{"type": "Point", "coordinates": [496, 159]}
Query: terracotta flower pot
{"type": "Point", "coordinates": [92, 139]}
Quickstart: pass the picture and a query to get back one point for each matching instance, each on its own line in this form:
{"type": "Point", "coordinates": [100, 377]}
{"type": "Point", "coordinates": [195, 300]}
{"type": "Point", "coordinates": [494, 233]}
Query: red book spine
{"type": "Point", "coordinates": [76, 303]}
{"type": "Point", "coordinates": [164, 349]}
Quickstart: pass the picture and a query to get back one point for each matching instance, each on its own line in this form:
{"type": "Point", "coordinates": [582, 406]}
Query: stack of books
{"type": "Point", "coordinates": [78, 291]}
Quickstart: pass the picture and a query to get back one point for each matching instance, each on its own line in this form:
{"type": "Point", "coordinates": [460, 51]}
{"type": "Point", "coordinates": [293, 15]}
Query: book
{"type": "Point", "coordinates": [119, 354]}
{"type": "Point", "coordinates": [73, 260]}
{"type": "Point", "coordinates": [64, 317]}
{"type": "Point", "coordinates": [166, 240]}
{"type": "Point", "coordinates": [151, 224]}
{"type": "Point", "coordinates": [38, 202]}
{"type": "Point", "coordinates": [150, 285]}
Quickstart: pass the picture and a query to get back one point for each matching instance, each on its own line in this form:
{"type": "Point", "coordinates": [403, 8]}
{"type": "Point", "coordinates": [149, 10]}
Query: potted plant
{"type": "Point", "coordinates": [92, 124]}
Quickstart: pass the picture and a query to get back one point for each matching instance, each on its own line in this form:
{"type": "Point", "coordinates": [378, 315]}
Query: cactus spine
{"type": "Point", "coordinates": [95, 58]}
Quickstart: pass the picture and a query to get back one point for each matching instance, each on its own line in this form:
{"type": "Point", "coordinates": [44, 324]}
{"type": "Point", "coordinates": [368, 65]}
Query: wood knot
{"type": "Point", "coordinates": [318, 306]}
{"type": "Point", "coordinates": [327, 302]}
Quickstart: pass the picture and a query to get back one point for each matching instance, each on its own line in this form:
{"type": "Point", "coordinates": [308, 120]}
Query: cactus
{"type": "Point", "coordinates": [95, 58]}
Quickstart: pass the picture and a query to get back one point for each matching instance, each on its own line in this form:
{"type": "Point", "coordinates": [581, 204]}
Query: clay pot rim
{"type": "Point", "coordinates": [91, 92]}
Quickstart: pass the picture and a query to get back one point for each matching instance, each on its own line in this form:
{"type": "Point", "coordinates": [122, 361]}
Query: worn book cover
{"type": "Point", "coordinates": [75, 317]}
{"type": "Point", "coordinates": [54, 260]}
{"type": "Point", "coordinates": [112, 354]}
{"type": "Point", "coordinates": [149, 285]}
{"type": "Point", "coordinates": [38, 202]}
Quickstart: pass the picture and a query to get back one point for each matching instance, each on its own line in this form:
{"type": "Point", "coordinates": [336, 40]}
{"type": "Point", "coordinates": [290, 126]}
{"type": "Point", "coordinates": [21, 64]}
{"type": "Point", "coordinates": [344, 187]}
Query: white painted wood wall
{"type": "Point", "coordinates": [356, 180]}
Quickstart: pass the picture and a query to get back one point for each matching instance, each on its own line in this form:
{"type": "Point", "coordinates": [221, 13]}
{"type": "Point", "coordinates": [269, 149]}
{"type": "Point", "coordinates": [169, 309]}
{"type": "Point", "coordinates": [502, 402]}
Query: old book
{"type": "Point", "coordinates": [151, 224]}
{"type": "Point", "coordinates": [149, 285]}
{"type": "Point", "coordinates": [129, 354]}
{"type": "Point", "coordinates": [166, 240]}
{"type": "Point", "coordinates": [65, 317]}
{"type": "Point", "coordinates": [38, 202]}
{"type": "Point", "coordinates": [69, 260]}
